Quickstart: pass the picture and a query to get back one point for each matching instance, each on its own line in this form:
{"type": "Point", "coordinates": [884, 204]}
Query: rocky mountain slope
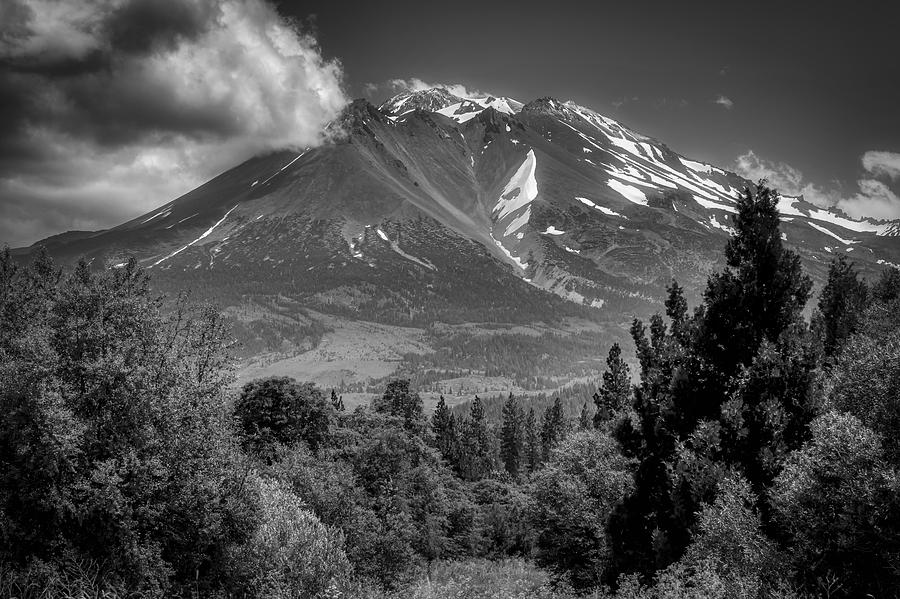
{"type": "Point", "coordinates": [438, 210]}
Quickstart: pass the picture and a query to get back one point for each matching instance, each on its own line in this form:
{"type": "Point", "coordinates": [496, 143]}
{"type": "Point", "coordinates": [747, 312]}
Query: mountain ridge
{"type": "Point", "coordinates": [435, 208]}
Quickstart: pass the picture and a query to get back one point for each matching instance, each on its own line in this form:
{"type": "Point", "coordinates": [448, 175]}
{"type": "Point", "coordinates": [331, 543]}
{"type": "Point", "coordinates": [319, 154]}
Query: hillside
{"type": "Point", "coordinates": [433, 211]}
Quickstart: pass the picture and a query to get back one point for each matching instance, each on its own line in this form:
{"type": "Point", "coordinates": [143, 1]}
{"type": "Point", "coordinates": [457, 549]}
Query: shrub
{"type": "Point", "coordinates": [837, 501]}
{"type": "Point", "coordinates": [291, 553]}
{"type": "Point", "coordinates": [572, 499]}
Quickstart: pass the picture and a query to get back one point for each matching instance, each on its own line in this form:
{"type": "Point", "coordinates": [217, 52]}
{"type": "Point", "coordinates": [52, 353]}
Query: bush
{"type": "Point", "coordinates": [837, 501]}
{"type": "Point", "coordinates": [572, 499]}
{"type": "Point", "coordinates": [730, 544]}
{"type": "Point", "coordinates": [502, 517]}
{"type": "Point", "coordinates": [866, 383]}
{"type": "Point", "coordinates": [291, 553]}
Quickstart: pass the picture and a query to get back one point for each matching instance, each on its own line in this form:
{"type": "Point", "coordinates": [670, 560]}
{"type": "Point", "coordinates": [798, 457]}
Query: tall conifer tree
{"type": "Point", "coordinates": [440, 426]}
{"type": "Point", "coordinates": [553, 427]}
{"type": "Point", "coordinates": [615, 391]}
{"type": "Point", "coordinates": [841, 303]}
{"type": "Point", "coordinates": [512, 438]}
{"type": "Point", "coordinates": [532, 442]}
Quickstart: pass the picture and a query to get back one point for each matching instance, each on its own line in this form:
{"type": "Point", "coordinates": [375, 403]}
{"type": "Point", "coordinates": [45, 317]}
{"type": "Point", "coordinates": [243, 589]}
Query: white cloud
{"type": "Point", "coordinates": [873, 200]}
{"type": "Point", "coordinates": [725, 101]}
{"type": "Point", "coordinates": [884, 164]}
{"type": "Point", "coordinates": [416, 85]}
{"type": "Point", "coordinates": [138, 121]}
{"type": "Point", "coordinates": [784, 178]}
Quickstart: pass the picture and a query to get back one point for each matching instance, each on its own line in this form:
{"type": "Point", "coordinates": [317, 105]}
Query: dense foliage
{"type": "Point", "coordinates": [755, 455]}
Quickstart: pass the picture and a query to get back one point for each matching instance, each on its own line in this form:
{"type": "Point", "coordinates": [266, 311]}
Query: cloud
{"type": "Point", "coordinates": [875, 199]}
{"type": "Point", "coordinates": [725, 101]}
{"type": "Point", "coordinates": [112, 107]}
{"type": "Point", "coordinates": [416, 85]}
{"type": "Point", "coordinates": [785, 178]}
{"type": "Point", "coordinates": [885, 164]}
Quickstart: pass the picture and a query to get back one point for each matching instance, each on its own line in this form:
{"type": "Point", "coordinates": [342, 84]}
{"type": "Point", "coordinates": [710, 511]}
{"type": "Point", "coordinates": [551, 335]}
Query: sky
{"type": "Point", "coordinates": [109, 108]}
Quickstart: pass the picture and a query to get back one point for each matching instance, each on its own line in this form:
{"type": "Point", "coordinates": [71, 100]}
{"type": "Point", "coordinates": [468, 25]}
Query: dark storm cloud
{"type": "Point", "coordinates": [108, 30]}
{"type": "Point", "coordinates": [145, 26]}
{"type": "Point", "coordinates": [111, 107]}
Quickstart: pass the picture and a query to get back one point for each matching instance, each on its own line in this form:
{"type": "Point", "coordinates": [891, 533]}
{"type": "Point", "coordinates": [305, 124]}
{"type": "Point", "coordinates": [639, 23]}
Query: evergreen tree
{"type": "Point", "coordinates": [454, 449]}
{"type": "Point", "coordinates": [532, 442]}
{"type": "Point", "coordinates": [553, 427]}
{"type": "Point", "coordinates": [644, 530]}
{"type": "Point", "coordinates": [440, 426]}
{"type": "Point", "coordinates": [399, 401]}
{"type": "Point", "coordinates": [731, 385]}
{"type": "Point", "coordinates": [584, 420]}
{"type": "Point", "coordinates": [887, 287]}
{"type": "Point", "coordinates": [615, 392]}
{"type": "Point", "coordinates": [840, 304]}
{"type": "Point", "coordinates": [476, 447]}
{"type": "Point", "coordinates": [677, 311]}
{"type": "Point", "coordinates": [760, 383]}
{"type": "Point", "coordinates": [759, 294]}
{"type": "Point", "coordinates": [512, 438]}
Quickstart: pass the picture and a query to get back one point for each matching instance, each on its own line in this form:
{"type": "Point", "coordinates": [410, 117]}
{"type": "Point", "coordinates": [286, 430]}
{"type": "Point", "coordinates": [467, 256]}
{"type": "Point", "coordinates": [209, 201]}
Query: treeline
{"type": "Point", "coordinates": [531, 361]}
{"type": "Point", "coordinates": [757, 456]}
{"type": "Point", "coordinates": [575, 398]}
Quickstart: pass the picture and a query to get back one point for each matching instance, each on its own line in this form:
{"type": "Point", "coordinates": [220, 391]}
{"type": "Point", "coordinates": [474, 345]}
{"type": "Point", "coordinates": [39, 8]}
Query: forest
{"type": "Point", "coordinates": [755, 454]}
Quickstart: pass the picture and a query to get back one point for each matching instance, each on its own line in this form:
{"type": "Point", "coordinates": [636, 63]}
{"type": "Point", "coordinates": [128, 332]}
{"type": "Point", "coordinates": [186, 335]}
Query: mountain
{"type": "Point", "coordinates": [464, 235]}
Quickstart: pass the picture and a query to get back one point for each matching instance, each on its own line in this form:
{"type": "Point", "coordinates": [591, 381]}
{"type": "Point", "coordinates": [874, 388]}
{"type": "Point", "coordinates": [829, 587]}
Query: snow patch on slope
{"type": "Point", "coordinates": [518, 222]}
{"type": "Point", "coordinates": [518, 261]}
{"type": "Point", "coordinates": [714, 222]}
{"type": "Point", "coordinates": [300, 155]}
{"type": "Point", "coordinates": [787, 207]}
{"type": "Point", "coordinates": [521, 189]}
{"type": "Point", "coordinates": [469, 108]}
{"type": "Point", "coordinates": [202, 237]}
{"type": "Point", "coordinates": [629, 192]}
{"type": "Point", "coordinates": [165, 212]}
{"type": "Point", "coordinates": [830, 233]}
{"type": "Point", "coordinates": [396, 248]}
{"type": "Point", "coordinates": [696, 166]}
{"type": "Point", "coordinates": [602, 209]}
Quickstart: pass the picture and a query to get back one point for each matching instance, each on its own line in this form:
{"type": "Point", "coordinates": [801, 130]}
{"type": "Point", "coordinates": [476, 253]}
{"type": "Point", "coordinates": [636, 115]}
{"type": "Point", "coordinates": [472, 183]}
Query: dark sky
{"type": "Point", "coordinates": [109, 109]}
{"type": "Point", "coordinates": [811, 86]}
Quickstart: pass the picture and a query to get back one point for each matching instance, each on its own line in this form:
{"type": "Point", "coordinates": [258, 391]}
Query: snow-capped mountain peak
{"type": "Point", "coordinates": [441, 101]}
